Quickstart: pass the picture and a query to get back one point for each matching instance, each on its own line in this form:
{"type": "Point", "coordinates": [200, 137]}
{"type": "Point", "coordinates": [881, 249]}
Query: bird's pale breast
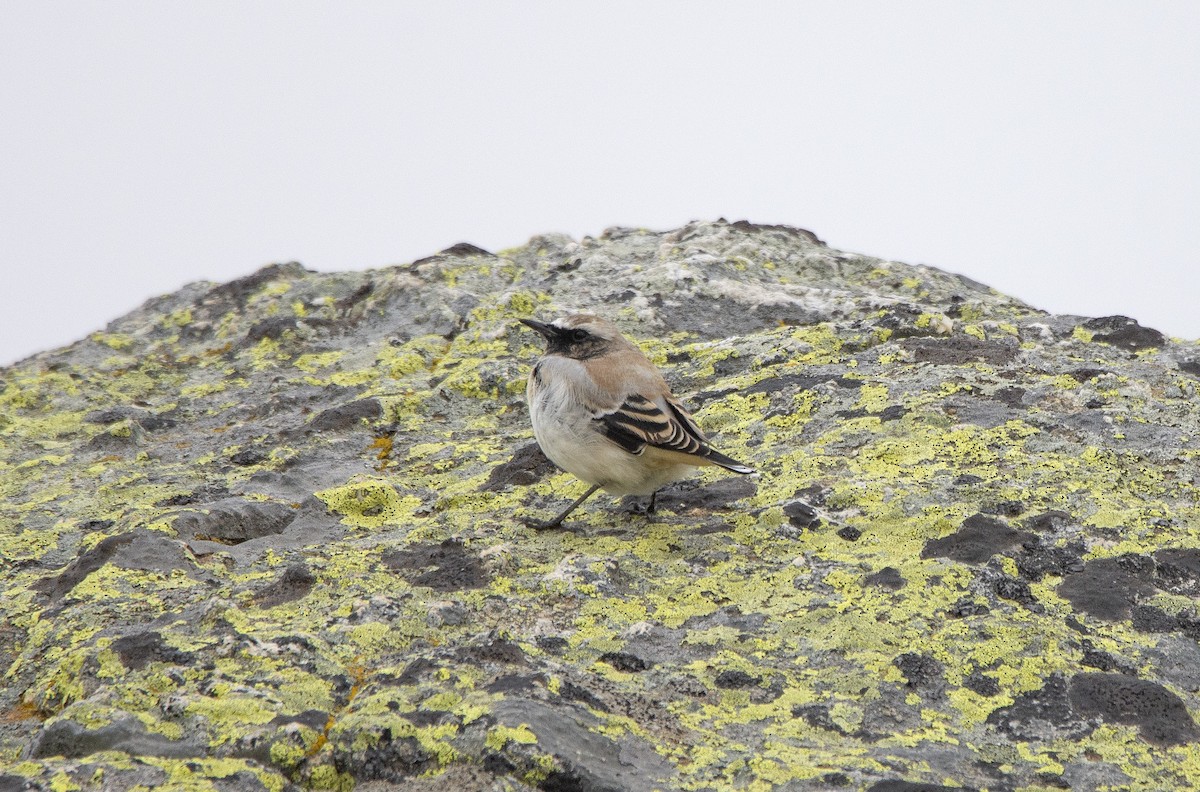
{"type": "Point", "coordinates": [566, 431]}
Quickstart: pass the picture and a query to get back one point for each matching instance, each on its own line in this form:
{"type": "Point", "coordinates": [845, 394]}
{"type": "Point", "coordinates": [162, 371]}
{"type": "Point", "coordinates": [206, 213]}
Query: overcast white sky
{"type": "Point", "coordinates": [1049, 149]}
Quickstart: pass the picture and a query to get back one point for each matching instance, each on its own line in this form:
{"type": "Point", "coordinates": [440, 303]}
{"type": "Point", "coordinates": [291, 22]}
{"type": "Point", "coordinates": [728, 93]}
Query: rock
{"type": "Point", "coordinates": [139, 549]}
{"type": "Point", "coordinates": [1039, 714]}
{"type": "Point", "coordinates": [527, 466]}
{"type": "Point", "coordinates": [139, 649]}
{"type": "Point", "coordinates": [1160, 716]}
{"type": "Point", "coordinates": [232, 521]}
{"type": "Point", "coordinates": [271, 534]}
{"type": "Point", "coordinates": [897, 785]}
{"type": "Point", "coordinates": [297, 580]}
{"type": "Point", "coordinates": [887, 578]}
{"type": "Point", "coordinates": [345, 416]}
{"type": "Point", "coordinates": [1107, 588]}
{"type": "Point", "coordinates": [976, 541]}
{"type": "Point", "coordinates": [1124, 332]}
{"type": "Point", "coordinates": [70, 740]}
{"type": "Point", "coordinates": [716, 496]}
{"type": "Point", "coordinates": [445, 566]}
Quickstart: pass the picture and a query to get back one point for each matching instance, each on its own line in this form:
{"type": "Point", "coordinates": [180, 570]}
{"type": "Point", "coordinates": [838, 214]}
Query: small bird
{"type": "Point", "coordinates": [603, 412]}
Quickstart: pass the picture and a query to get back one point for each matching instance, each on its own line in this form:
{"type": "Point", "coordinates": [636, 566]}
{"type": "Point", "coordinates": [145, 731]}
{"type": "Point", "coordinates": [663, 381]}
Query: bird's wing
{"type": "Point", "coordinates": [639, 422]}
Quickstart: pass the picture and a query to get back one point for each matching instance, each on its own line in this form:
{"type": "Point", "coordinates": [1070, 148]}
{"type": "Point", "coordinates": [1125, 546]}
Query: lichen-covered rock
{"type": "Point", "coordinates": [270, 535]}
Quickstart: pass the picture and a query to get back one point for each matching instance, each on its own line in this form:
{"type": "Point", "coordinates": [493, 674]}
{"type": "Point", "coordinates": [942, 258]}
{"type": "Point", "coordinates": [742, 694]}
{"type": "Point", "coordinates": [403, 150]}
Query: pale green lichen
{"type": "Point", "coordinates": [228, 713]}
{"type": "Point", "coordinates": [118, 341]}
{"type": "Point", "coordinates": [873, 397]}
{"type": "Point", "coordinates": [315, 361]}
{"type": "Point", "coordinates": [500, 736]}
{"type": "Point", "coordinates": [369, 503]}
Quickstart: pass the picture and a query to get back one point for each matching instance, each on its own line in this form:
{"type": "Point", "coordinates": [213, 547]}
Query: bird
{"type": "Point", "coordinates": [603, 412]}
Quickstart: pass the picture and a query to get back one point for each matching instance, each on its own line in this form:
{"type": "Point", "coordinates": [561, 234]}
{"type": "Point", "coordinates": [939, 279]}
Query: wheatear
{"type": "Point", "coordinates": [603, 412]}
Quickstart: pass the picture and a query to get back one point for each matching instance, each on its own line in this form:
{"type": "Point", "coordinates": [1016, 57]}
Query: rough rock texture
{"type": "Point", "coordinates": [268, 535]}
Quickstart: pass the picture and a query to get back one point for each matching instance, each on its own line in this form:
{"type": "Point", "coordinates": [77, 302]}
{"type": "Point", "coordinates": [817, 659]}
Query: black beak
{"type": "Point", "coordinates": [547, 331]}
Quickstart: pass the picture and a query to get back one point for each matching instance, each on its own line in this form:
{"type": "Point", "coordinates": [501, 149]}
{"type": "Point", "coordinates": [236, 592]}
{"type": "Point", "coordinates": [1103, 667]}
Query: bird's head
{"type": "Point", "coordinates": [578, 336]}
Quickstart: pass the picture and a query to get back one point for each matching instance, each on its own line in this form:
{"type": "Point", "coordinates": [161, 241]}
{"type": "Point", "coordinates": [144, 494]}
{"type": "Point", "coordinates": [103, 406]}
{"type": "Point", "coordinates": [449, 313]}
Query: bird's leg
{"type": "Point", "coordinates": [637, 504]}
{"type": "Point", "coordinates": [557, 521]}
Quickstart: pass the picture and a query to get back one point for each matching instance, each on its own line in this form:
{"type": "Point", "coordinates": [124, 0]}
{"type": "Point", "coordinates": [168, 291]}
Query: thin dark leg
{"type": "Point", "coordinates": [650, 508]}
{"type": "Point", "coordinates": [557, 521]}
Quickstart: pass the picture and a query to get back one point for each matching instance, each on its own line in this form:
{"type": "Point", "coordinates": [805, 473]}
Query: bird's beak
{"type": "Point", "coordinates": [547, 331]}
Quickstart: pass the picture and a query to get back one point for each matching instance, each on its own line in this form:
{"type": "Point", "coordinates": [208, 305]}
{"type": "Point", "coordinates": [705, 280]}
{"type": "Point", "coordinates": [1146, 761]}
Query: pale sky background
{"type": "Point", "coordinates": [1050, 149]}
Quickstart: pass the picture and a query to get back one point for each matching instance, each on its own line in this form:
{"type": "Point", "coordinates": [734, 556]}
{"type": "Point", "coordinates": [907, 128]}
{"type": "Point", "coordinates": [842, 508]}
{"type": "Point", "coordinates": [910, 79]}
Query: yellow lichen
{"type": "Point", "coordinates": [500, 736]}
{"type": "Point", "coordinates": [369, 503]}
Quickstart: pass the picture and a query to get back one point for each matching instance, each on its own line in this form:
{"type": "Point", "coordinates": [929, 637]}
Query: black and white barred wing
{"type": "Point", "coordinates": [640, 422]}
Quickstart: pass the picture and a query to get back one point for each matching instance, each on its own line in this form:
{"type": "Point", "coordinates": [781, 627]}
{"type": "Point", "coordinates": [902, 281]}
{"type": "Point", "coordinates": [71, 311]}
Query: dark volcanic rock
{"type": "Point", "coordinates": [69, 739]}
{"type": "Point", "coordinates": [733, 678]}
{"type": "Point", "coordinates": [920, 671]}
{"type": "Point", "coordinates": [234, 520]}
{"type": "Point", "coordinates": [147, 551]}
{"type": "Point", "coordinates": [445, 566]}
{"type": "Point", "coordinates": [297, 580]}
{"type": "Point", "coordinates": [1121, 331]}
{"type": "Point", "coordinates": [1178, 571]}
{"type": "Point", "coordinates": [1042, 713]}
{"type": "Point", "coordinates": [957, 350]}
{"type": "Point", "coordinates": [1072, 707]}
{"type": "Point", "coordinates": [913, 786]}
{"type": "Point", "coordinates": [346, 416]}
{"type": "Point", "coordinates": [886, 578]}
{"type": "Point", "coordinates": [138, 649]}
{"type": "Point", "coordinates": [528, 465]}
{"type": "Point", "coordinates": [720, 494]}
{"type": "Point", "coordinates": [625, 661]}
{"type": "Point", "coordinates": [1160, 716]}
{"type": "Point", "coordinates": [976, 541]}
{"type": "Point", "coordinates": [1108, 587]}
{"type": "Point", "coordinates": [390, 759]}
{"type": "Point", "coordinates": [802, 515]}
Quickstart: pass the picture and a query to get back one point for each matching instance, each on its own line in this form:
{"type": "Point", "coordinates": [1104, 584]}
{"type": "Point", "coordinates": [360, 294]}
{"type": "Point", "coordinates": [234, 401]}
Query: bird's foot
{"type": "Point", "coordinates": [639, 505]}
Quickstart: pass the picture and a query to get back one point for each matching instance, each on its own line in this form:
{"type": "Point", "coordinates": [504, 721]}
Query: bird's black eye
{"type": "Point", "coordinates": [579, 335]}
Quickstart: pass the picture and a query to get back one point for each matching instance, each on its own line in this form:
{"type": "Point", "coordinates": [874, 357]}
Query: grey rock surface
{"type": "Point", "coordinates": [270, 534]}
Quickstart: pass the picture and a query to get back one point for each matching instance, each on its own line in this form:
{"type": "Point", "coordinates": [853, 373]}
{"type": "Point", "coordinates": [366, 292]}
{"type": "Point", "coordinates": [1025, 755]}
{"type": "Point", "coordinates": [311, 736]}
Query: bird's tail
{"type": "Point", "coordinates": [717, 458]}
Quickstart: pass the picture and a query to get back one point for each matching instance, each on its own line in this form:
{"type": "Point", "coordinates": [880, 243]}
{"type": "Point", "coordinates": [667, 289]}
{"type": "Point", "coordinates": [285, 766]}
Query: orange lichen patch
{"type": "Point", "coordinates": [357, 671]}
{"type": "Point", "coordinates": [22, 711]}
{"type": "Point", "coordinates": [382, 445]}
